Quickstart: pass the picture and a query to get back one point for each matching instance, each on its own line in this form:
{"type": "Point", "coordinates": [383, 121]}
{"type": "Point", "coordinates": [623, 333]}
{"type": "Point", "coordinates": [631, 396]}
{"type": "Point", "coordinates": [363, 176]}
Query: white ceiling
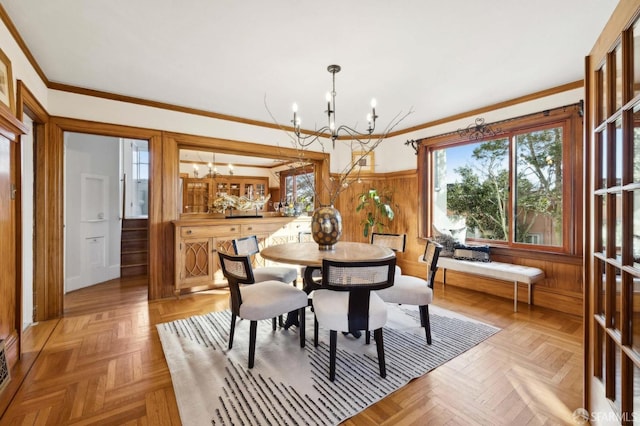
{"type": "Point", "coordinates": [438, 58]}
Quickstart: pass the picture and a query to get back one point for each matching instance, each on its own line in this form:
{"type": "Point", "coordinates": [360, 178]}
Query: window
{"type": "Point", "coordinates": [512, 189]}
{"type": "Point", "coordinates": [140, 161]}
{"type": "Point", "coordinates": [297, 186]}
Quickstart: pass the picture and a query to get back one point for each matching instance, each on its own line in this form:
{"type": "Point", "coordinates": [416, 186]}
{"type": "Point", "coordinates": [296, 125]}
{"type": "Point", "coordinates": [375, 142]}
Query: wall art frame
{"type": "Point", "coordinates": [364, 161]}
{"type": "Point", "coordinates": [6, 82]}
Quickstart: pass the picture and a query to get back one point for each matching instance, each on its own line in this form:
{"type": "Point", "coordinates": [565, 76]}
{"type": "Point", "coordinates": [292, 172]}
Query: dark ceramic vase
{"type": "Point", "coordinates": [326, 227]}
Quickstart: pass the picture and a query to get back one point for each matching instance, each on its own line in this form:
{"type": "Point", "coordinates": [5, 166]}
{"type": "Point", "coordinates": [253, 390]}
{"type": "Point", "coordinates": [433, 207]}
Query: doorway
{"type": "Point", "coordinates": [95, 169]}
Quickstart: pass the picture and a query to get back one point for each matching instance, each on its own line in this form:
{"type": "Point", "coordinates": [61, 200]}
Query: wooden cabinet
{"type": "Point", "coordinates": [198, 241]}
{"type": "Point", "coordinates": [198, 193]}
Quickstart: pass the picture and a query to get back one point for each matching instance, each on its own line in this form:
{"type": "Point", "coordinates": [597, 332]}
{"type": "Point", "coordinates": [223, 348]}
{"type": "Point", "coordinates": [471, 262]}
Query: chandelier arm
{"type": "Point", "coordinates": [352, 132]}
{"type": "Point", "coordinates": [305, 141]}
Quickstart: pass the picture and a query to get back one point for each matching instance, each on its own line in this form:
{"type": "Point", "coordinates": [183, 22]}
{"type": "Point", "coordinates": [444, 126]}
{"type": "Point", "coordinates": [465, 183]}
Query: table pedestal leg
{"type": "Point", "coordinates": [308, 285]}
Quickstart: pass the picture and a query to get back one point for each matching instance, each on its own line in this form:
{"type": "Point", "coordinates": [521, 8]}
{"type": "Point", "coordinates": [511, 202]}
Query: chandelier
{"type": "Point", "coordinates": [331, 130]}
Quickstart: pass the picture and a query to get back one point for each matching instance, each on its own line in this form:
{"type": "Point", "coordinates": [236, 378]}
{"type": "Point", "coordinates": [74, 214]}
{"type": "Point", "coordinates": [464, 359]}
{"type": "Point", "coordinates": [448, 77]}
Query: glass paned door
{"type": "Point", "coordinates": [613, 317]}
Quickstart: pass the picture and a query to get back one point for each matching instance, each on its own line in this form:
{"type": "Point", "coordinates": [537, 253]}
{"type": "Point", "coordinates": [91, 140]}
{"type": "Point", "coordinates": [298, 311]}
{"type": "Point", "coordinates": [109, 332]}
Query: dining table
{"type": "Point", "coordinates": [309, 255]}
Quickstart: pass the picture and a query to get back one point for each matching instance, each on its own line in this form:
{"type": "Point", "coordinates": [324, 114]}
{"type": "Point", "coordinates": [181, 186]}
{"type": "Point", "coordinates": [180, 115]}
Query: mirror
{"type": "Point", "coordinates": [221, 183]}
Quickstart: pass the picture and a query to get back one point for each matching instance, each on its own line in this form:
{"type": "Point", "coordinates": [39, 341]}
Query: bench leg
{"type": "Point", "coordinates": [515, 296]}
{"type": "Point", "coordinates": [529, 292]}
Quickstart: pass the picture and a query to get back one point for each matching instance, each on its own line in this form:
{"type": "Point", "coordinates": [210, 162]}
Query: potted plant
{"type": "Point", "coordinates": [377, 208]}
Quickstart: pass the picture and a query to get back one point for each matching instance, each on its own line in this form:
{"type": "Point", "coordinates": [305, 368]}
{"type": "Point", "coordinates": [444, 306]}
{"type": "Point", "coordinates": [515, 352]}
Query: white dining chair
{"type": "Point", "coordinates": [269, 299]}
{"type": "Point", "coordinates": [396, 242]}
{"type": "Point", "coordinates": [249, 246]}
{"type": "Point", "coordinates": [410, 290]}
{"type": "Point", "coordinates": [347, 302]}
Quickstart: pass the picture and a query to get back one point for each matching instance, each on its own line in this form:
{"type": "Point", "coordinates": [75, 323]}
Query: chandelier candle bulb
{"type": "Point", "coordinates": [296, 120]}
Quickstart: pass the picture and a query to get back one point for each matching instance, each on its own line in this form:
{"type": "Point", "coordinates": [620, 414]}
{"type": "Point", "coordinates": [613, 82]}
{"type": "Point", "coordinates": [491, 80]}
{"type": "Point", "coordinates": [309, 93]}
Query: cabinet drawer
{"type": "Point", "coordinates": [210, 231]}
{"type": "Point", "coordinates": [299, 226]}
{"type": "Point", "coordinates": [260, 228]}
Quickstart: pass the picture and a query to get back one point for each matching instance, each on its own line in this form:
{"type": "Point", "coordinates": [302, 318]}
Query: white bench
{"type": "Point", "coordinates": [501, 271]}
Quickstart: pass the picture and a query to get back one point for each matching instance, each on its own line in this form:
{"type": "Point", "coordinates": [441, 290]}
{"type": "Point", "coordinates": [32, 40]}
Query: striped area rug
{"type": "Point", "coordinates": [290, 385]}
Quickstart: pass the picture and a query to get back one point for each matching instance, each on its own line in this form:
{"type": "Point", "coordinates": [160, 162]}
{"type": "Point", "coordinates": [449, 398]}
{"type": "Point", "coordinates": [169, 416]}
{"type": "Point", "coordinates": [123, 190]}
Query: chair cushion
{"type": "Point", "coordinates": [275, 273]}
{"type": "Point", "coordinates": [332, 309]}
{"type": "Point", "coordinates": [270, 299]}
{"type": "Point", "coordinates": [407, 290]}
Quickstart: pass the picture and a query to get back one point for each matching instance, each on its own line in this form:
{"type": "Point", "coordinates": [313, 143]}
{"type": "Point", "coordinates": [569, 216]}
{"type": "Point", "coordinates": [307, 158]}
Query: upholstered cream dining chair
{"type": "Point", "coordinates": [267, 300]}
{"type": "Point", "coordinates": [347, 302]}
{"type": "Point", "coordinates": [410, 290]}
{"type": "Point", "coordinates": [249, 246]}
{"type": "Point", "coordinates": [396, 242]}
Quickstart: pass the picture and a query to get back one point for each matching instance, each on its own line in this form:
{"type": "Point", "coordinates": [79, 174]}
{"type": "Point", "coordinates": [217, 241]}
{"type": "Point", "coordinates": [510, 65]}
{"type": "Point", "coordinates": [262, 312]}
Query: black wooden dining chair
{"type": "Point", "coordinates": [347, 303]}
{"type": "Point", "coordinates": [267, 300]}
{"type": "Point", "coordinates": [410, 290]}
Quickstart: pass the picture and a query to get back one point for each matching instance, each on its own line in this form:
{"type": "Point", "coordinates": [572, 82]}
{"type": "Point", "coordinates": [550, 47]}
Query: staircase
{"type": "Point", "coordinates": [134, 248]}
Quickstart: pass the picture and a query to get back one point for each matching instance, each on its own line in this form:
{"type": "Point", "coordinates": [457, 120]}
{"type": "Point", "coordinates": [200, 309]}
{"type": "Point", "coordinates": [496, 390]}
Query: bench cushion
{"type": "Point", "coordinates": [497, 270]}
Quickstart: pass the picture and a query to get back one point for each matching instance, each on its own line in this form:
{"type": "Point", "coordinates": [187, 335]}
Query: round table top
{"type": "Point", "coordinates": [308, 254]}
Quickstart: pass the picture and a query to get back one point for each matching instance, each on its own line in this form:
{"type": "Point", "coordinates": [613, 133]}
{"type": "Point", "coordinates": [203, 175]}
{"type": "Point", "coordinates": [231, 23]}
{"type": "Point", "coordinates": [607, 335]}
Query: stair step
{"type": "Point", "coordinates": [133, 270]}
{"type": "Point", "coordinates": [134, 234]}
{"type": "Point", "coordinates": [135, 251]}
{"type": "Point", "coordinates": [136, 258]}
{"type": "Point", "coordinates": [133, 245]}
{"type": "Point", "coordinates": [134, 223]}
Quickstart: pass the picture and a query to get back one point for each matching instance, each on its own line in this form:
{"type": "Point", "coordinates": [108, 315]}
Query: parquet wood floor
{"type": "Point", "coordinates": [102, 363]}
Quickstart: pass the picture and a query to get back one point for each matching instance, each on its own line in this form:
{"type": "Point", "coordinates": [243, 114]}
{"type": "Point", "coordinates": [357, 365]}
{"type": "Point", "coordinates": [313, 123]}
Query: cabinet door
{"type": "Point", "coordinates": [234, 188]}
{"type": "Point", "coordinates": [198, 262]}
{"type": "Point", "coordinates": [197, 194]}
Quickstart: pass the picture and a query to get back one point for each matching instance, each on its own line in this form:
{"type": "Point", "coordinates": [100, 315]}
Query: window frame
{"type": "Point", "coordinates": [570, 119]}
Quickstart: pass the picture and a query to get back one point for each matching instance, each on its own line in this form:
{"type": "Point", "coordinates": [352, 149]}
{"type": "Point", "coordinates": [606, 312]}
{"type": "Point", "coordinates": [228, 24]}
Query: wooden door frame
{"type": "Point", "coordinates": [50, 203]}
{"type": "Point", "coordinates": [28, 105]}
